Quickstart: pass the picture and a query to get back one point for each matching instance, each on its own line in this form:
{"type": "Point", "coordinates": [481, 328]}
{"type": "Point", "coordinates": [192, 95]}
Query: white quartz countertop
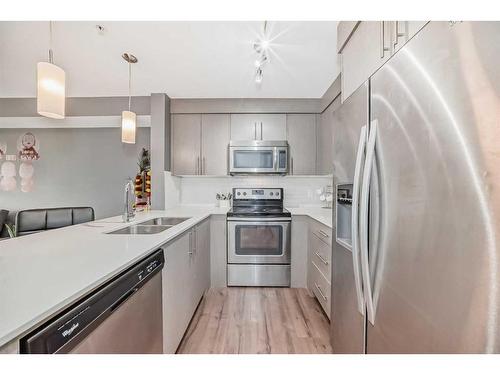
{"type": "Point", "coordinates": [323, 215]}
{"type": "Point", "coordinates": [43, 273]}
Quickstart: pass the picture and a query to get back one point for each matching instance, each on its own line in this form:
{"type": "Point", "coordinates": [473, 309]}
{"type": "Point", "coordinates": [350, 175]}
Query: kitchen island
{"type": "Point", "coordinates": [42, 274]}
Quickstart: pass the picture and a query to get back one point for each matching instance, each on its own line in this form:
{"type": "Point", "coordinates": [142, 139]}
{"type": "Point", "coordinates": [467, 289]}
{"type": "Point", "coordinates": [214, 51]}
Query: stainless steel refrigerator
{"type": "Point", "coordinates": [416, 264]}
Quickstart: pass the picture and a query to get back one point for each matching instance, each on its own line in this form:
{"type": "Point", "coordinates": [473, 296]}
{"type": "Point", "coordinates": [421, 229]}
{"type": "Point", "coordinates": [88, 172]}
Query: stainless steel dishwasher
{"type": "Point", "coordinates": [122, 317]}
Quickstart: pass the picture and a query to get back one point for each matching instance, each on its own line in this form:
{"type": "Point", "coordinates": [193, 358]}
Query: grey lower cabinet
{"type": "Point", "coordinates": [185, 278]}
{"type": "Point", "coordinates": [320, 263]}
{"type": "Point", "coordinates": [250, 126]}
{"type": "Point", "coordinates": [218, 251]}
{"type": "Point", "coordinates": [301, 136]}
{"type": "Point", "coordinates": [199, 144]}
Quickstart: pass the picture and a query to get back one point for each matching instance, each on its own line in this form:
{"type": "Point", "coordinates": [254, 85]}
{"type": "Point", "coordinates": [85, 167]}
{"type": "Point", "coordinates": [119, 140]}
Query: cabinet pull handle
{"type": "Point", "coordinates": [190, 251]}
{"type": "Point", "coordinates": [397, 34]}
{"type": "Point", "coordinates": [291, 165]}
{"type": "Point", "coordinates": [320, 291]}
{"type": "Point", "coordinates": [261, 131]}
{"type": "Point", "coordinates": [321, 258]}
{"type": "Point", "coordinates": [204, 167]}
{"type": "Point", "coordinates": [195, 240]}
{"type": "Point", "coordinates": [323, 233]}
{"type": "Point", "coordinates": [383, 48]}
{"type": "Point", "coordinates": [255, 130]}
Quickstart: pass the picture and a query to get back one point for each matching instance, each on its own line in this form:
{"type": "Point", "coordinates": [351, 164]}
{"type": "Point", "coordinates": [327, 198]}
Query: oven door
{"type": "Point", "coordinates": [252, 160]}
{"type": "Point", "coordinates": [257, 241]}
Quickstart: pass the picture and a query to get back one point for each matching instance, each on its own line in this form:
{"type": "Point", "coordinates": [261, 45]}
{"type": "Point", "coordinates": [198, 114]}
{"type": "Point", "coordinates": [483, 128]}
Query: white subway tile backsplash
{"type": "Point", "coordinates": [298, 191]}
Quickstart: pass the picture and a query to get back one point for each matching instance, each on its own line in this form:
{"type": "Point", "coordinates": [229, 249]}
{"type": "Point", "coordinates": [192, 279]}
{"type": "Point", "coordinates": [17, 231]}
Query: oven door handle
{"type": "Point", "coordinates": [261, 219]}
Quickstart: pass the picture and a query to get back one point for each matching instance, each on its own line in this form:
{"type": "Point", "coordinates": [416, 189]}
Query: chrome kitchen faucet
{"type": "Point", "coordinates": [128, 208]}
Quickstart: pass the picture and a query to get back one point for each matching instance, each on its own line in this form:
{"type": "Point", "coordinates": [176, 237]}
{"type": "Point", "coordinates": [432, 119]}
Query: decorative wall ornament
{"type": "Point", "coordinates": [8, 174]}
{"type": "Point", "coordinates": [26, 172]}
{"type": "Point", "coordinates": [28, 147]}
{"type": "Point", "coordinates": [3, 150]}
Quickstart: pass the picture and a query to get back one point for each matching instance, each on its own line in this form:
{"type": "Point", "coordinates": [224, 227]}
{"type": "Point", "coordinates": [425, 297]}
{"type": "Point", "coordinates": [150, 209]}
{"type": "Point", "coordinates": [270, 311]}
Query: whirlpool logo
{"type": "Point", "coordinates": [69, 331]}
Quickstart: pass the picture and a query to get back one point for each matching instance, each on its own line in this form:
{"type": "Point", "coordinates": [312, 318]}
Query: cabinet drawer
{"type": "Point", "coordinates": [321, 255]}
{"type": "Point", "coordinates": [321, 231]}
{"type": "Point", "coordinates": [321, 289]}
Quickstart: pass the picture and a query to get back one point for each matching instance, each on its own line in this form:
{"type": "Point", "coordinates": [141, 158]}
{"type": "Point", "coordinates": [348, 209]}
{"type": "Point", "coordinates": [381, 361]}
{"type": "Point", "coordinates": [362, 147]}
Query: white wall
{"type": "Point", "coordinates": [298, 191]}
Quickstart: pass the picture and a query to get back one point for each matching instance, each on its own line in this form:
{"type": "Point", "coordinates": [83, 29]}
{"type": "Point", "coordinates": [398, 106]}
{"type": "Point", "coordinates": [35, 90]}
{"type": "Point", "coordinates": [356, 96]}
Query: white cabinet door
{"type": "Point", "coordinates": [186, 135]}
{"type": "Point", "coordinates": [244, 127]}
{"type": "Point", "coordinates": [301, 137]}
{"type": "Point", "coordinates": [272, 127]}
{"type": "Point", "coordinates": [176, 279]}
{"type": "Point", "coordinates": [214, 144]}
{"type": "Point", "coordinates": [367, 49]}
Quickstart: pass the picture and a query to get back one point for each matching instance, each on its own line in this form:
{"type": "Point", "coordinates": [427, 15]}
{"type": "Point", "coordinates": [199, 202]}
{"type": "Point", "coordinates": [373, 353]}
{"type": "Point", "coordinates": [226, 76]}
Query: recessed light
{"type": "Point", "coordinates": [100, 29]}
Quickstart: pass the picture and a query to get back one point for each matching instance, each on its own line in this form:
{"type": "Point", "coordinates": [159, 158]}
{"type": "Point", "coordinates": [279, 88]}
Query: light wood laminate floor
{"type": "Point", "coordinates": [257, 320]}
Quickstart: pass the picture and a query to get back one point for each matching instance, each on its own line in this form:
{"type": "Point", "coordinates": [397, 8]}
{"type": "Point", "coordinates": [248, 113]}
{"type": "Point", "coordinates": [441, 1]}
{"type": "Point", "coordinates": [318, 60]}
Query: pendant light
{"type": "Point", "coordinates": [51, 86]}
{"type": "Point", "coordinates": [129, 118]}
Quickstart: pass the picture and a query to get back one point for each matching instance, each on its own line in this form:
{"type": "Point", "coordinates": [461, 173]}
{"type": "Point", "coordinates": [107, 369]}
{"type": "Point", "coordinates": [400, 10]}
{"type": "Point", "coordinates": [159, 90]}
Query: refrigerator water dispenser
{"type": "Point", "coordinates": [343, 209]}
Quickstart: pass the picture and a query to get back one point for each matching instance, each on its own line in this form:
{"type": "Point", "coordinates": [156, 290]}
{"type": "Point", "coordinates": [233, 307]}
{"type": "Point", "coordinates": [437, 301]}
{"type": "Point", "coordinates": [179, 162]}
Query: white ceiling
{"type": "Point", "coordinates": [182, 59]}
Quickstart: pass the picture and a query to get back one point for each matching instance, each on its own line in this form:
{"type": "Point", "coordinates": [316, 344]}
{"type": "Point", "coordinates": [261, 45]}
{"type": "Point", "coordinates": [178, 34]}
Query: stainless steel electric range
{"type": "Point", "coordinates": [258, 238]}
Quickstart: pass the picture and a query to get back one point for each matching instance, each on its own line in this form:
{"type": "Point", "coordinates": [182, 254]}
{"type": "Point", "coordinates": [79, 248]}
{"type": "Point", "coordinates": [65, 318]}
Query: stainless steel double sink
{"type": "Point", "coordinates": [151, 226]}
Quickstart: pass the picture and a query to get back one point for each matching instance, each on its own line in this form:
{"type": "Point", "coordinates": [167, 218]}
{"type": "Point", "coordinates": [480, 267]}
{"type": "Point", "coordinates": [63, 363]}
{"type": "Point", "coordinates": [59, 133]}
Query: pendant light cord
{"type": "Point", "coordinates": [51, 55]}
{"type": "Point", "coordinates": [129, 84]}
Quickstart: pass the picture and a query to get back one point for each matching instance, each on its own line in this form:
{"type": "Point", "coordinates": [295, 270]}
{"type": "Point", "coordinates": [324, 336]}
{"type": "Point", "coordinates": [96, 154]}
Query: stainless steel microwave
{"type": "Point", "coordinates": [258, 157]}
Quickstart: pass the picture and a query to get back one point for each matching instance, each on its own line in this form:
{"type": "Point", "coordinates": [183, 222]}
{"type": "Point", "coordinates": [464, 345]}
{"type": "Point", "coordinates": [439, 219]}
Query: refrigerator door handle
{"type": "Point", "coordinates": [365, 193]}
{"type": "Point", "coordinates": [355, 220]}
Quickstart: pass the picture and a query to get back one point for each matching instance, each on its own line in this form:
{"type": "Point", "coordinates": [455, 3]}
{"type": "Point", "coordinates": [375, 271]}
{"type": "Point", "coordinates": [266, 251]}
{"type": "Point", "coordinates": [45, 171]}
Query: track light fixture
{"type": "Point", "coordinates": [259, 75]}
{"type": "Point", "coordinates": [261, 47]}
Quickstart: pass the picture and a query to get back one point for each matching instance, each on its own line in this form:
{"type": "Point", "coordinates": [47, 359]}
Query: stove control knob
{"type": "Point", "coordinates": [277, 194]}
{"type": "Point", "coordinates": [271, 193]}
{"type": "Point", "coordinates": [238, 193]}
{"type": "Point", "coordinates": [244, 193]}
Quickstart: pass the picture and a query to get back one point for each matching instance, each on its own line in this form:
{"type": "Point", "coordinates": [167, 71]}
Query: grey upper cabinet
{"type": "Point", "coordinates": [250, 127]}
{"type": "Point", "coordinates": [301, 136]}
{"type": "Point", "coordinates": [325, 139]}
{"type": "Point", "coordinates": [243, 127]}
{"type": "Point", "coordinates": [199, 144]}
{"type": "Point", "coordinates": [365, 46]}
{"type": "Point", "coordinates": [403, 31]}
{"type": "Point", "coordinates": [365, 51]}
{"type": "Point", "coordinates": [214, 144]}
{"type": "Point", "coordinates": [186, 138]}
{"type": "Point", "coordinates": [273, 127]}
